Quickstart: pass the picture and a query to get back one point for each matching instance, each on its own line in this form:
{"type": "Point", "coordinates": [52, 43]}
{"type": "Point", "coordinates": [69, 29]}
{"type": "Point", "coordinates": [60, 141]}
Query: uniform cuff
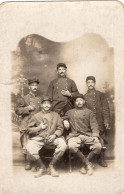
{"type": "Point", "coordinates": [95, 135]}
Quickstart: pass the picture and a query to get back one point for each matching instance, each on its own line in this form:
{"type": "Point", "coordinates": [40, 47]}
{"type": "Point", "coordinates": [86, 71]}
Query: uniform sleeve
{"type": "Point", "coordinates": [105, 109]}
{"type": "Point", "coordinates": [32, 122]}
{"type": "Point", "coordinates": [50, 90]}
{"type": "Point", "coordinates": [94, 125]}
{"type": "Point", "coordinates": [66, 116]}
{"type": "Point", "coordinates": [74, 90]}
{"type": "Point", "coordinates": [33, 128]}
{"type": "Point", "coordinates": [60, 128]}
{"type": "Point", "coordinates": [21, 108]}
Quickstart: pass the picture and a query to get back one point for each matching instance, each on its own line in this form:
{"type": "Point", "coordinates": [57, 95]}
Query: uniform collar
{"type": "Point", "coordinates": [44, 112]}
{"type": "Point", "coordinates": [61, 76]}
{"type": "Point", "coordinates": [83, 108]}
{"type": "Point", "coordinates": [32, 94]}
{"type": "Point", "coordinates": [91, 91]}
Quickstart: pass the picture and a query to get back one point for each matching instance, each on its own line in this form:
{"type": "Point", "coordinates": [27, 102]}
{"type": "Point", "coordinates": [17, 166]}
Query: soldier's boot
{"type": "Point", "coordinates": [89, 168]}
{"type": "Point", "coordinates": [101, 160]}
{"type": "Point", "coordinates": [28, 165]}
{"type": "Point", "coordinates": [83, 160]}
{"type": "Point", "coordinates": [52, 169]}
{"type": "Point", "coordinates": [83, 170]}
{"type": "Point", "coordinates": [34, 167]}
{"type": "Point", "coordinates": [41, 170]}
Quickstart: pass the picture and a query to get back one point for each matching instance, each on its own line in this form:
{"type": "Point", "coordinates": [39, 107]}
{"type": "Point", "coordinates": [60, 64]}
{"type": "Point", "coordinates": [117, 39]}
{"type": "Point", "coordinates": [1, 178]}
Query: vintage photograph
{"type": "Point", "coordinates": [48, 72]}
{"type": "Point", "coordinates": [63, 98]}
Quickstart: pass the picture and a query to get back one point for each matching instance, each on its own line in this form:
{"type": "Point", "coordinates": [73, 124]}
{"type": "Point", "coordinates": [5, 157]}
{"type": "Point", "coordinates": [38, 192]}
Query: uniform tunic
{"type": "Point", "coordinates": [83, 128]}
{"type": "Point", "coordinates": [61, 103]}
{"type": "Point", "coordinates": [22, 109]}
{"type": "Point", "coordinates": [54, 125]}
{"type": "Point", "coordinates": [38, 140]}
{"type": "Point", "coordinates": [82, 121]}
{"type": "Point", "coordinates": [97, 102]}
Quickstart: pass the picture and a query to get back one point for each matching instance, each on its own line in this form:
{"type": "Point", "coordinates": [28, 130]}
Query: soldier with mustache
{"type": "Point", "coordinates": [26, 108]}
{"type": "Point", "coordinates": [97, 102]}
{"type": "Point", "coordinates": [62, 90]}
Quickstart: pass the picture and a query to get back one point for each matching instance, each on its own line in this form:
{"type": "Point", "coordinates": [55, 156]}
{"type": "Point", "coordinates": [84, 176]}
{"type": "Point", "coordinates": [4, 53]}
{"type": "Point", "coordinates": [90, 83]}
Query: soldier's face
{"type": "Point", "coordinates": [46, 105]}
{"type": "Point", "coordinates": [90, 84]}
{"type": "Point", "coordinates": [61, 71]}
{"type": "Point", "coordinates": [79, 102]}
{"type": "Point", "coordinates": [33, 87]}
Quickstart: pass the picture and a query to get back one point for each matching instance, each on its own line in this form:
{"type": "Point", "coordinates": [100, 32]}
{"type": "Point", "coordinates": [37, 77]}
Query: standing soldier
{"type": "Point", "coordinates": [97, 102]}
{"type": "Point", "coordinates": [62, 90]}
{"type": "Point", "coordinates": [27, 106]}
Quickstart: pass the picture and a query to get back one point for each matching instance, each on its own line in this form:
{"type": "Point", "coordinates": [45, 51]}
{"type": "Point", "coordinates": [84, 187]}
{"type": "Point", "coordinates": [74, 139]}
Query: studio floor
{"type": "Point", "coordinates": [103, 181]}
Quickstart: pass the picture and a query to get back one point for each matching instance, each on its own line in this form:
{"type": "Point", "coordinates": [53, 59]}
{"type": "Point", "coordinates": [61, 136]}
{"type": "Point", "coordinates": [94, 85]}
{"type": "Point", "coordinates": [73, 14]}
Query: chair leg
{"type": "Point", "coordinates": [70, 167]}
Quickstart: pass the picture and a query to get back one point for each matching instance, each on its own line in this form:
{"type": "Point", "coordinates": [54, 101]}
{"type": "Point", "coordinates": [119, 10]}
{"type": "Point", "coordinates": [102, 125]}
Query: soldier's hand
{"type": "Point", "coordinates": [51, 138]}
{"type": "Point", "coordinates": [66, 93]}
{"type": "Point", "coordinates": [96, 140]}
{"type": "Point", "coordinates": [66, 124]}
{"type": "Point", "coordinates": [43, 125]}
{"type": "Point", "coordinates": [107, 125]}
{"type": "Point", "coordinates": [31, 108]}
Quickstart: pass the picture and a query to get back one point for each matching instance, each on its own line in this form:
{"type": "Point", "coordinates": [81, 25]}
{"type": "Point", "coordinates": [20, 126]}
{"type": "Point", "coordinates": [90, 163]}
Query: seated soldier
{"type": "Point", "coordinates": [45, 128]}
{"type": "Point", "coordinates": [83, 131]}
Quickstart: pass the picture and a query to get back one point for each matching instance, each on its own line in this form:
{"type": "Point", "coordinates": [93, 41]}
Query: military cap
{"type": "Point", "coordinates": [91, 78]}
{"type": "Point", "coordinates": [79, 96]}
{"type": "Point", "coordinates": [33, 80]}
{"type": "Point", "coordinates": [61, 65]}
{"type": "Point", "coordinates": [46, 98]}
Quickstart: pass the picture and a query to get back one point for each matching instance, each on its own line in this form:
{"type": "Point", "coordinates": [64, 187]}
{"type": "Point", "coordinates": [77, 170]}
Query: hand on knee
{"type": "Point", "coordinates": [98, 149]}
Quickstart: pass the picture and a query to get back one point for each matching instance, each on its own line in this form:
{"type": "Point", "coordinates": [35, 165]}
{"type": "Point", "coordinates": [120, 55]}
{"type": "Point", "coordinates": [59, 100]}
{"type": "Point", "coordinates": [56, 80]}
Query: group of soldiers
{"type": "Point", "coordinates": [45, 119]}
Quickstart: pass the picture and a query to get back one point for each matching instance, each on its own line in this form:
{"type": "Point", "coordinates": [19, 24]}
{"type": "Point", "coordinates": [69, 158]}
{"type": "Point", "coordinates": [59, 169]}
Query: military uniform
{"type": "Point", "coordinates": [45, 128]}
{"type": "Point", "coordinates": [38, 140]}
{"type": "Point", "coordinates": [23, 110]}
{"type": "Point", "coordinates": [97, 102]}
{"type": "Point", "coordinates": [61, 103]}
{"type": "Point", "coordinates": [83, 128]}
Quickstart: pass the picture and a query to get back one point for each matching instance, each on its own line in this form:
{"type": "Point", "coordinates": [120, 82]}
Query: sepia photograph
{"type": "Point", "coordinates": [62, 97]}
